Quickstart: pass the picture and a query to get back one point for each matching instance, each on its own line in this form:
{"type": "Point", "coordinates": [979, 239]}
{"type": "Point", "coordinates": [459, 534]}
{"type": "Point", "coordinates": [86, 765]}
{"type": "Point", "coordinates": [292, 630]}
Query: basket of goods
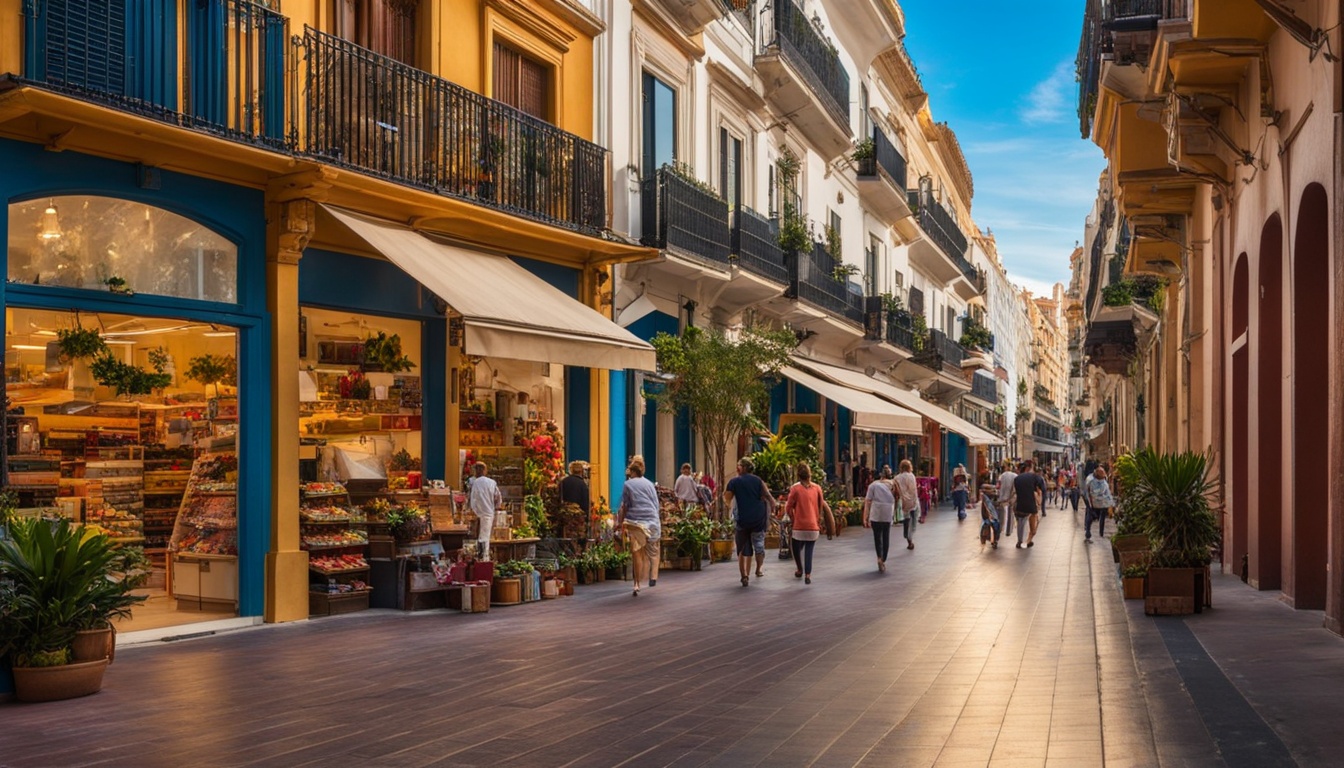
{"type": "Point", "coordinates": [408, 523]}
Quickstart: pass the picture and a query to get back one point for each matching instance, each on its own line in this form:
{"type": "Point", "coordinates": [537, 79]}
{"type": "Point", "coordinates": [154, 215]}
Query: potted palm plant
{"type": "Point", "coordinates": [1182, 528]}
{"type": "Point", "coordinates": [63, 580]}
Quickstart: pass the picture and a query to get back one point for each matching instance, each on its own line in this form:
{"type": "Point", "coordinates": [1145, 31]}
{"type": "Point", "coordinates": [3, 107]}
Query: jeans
{"type": "Point", "coordinates": [1006, 515]}
{"type": "Point", "coordinates": [1099, 514]}
{"type": "Point", "coordinates": [1073, 498]}
{"type": "Point", "coordinates": [881, 539]}
{"type": "Point", "coordinates": [802, 555]}
{"type": "Point", "coordinates": [1022, 525]}
{"type": "Point", "coordinates": [908, 526]}
{"type": "Point", "coordinates": [959, 499]}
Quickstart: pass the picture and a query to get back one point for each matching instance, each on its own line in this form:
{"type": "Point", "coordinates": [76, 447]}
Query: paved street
{"type": "Point", "coordinates": [955, 657]}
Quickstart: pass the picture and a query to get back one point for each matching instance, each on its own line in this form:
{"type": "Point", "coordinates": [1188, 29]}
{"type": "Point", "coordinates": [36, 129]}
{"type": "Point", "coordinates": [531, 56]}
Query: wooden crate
{"type": "Point", "coordinates": [323, 604]}
{"type": "Point", "coordinates": [506, 592]}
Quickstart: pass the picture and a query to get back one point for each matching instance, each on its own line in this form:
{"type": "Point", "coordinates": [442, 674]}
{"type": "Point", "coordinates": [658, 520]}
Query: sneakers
{"type": "Point", "coordinates": [1019, 545]}
{"type": "Point", "coordinates": [910, 544]}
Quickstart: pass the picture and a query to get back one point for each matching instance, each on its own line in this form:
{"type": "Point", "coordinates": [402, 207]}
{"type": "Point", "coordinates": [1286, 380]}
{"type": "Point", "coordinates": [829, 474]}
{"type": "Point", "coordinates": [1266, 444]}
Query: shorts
{"type": "Point", "coordinates": [750, 542]}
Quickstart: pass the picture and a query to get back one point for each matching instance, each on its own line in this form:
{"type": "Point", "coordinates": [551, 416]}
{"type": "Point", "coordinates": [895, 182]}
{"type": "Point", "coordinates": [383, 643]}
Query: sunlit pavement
{"type": "Point", "coordinates": [959, 655]}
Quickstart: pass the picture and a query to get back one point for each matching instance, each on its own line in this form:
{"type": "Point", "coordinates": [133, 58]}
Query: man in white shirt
{"type": "Point", "coordinates": [1005, 491]}
{"type": "Point", "coordinates": [684, 488]}
{"type": "Point", "coordinates": [483, 500]}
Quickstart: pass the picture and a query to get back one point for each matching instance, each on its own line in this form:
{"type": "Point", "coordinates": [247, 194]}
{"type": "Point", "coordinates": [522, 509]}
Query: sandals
{"type": "Point", "coordinates": [745, 581]}
{"type": "Point", "coordinates": [807, 580]}
{"type": "Point", "coordinates": [797, 574]}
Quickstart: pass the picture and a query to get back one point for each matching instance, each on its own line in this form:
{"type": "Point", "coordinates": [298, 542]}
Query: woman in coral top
{"type": "Point", "coordinates": [805, 506]}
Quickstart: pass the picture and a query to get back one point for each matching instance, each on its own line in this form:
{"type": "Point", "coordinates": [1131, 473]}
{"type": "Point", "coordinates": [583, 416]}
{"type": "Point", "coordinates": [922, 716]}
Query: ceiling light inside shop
{"type": "Point", "coordinates": [122, 342]}
{"type": "Point", "coordinates": [51, 224]}
{"type": "Point", "coordinates": [219, 334]}
{"type": "Point", "coordinates": [28, 346]}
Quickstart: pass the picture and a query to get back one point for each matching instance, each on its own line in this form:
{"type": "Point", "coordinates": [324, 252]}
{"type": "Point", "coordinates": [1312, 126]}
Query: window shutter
{"type": "Point", "coordinates": [916, 301]}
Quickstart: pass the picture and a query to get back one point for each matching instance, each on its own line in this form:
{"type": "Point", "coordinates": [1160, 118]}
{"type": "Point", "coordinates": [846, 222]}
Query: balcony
{"type": "Point", "coordinates": [882, 179]}
{"type": "Point", "coordinates": [376, 115]}
{"type": "Point", "coordinates": [941, 354]}
{"type": "Point", "coordinates": [938, 245]}
{"type": "Point", "coordinates": [805, 79]}
{"type": "Point", "coordinates": [235, 54]}
{"type": "Point", "coordinates": [694, 15]}
{"type": "Point", "coordinates": [755, 245]}
{"type": "Point", "coordinates": [813, 280]}
{"type": "Point", "coordinates": [682, 217]}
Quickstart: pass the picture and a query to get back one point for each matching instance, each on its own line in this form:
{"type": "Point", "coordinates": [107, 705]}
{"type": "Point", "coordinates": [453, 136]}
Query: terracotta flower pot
{"type": "Point", "coordinates": [67, 681]}
{"type": "Point", "coordinates": [94, 645]}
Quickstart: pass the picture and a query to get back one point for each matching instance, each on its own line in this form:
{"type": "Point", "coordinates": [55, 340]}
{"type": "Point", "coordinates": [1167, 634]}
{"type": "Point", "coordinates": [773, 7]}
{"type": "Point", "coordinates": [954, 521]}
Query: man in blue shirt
{"type": "Point", "coordinates": [754, 507]}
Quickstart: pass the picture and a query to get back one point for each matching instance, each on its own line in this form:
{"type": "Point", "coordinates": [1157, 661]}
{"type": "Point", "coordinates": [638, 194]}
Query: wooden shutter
{"type": "Point", "coordinates": [916, 301]}
{"type": "Point", "coordinates": [521, 82]}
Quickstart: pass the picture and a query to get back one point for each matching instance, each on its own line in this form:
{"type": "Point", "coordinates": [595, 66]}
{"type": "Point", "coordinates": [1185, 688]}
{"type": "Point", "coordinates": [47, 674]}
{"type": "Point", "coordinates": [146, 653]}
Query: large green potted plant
{"type": "Point", "coordinates": [692, 535]}
{"type": "Point", "coordinates": [1175, 491]}
{"type": "Point", "coordinates": [63, 581]}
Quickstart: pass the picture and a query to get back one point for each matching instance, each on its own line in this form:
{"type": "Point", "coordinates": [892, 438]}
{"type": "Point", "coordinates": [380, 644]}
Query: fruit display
{"type": "Point", "coordinates": [339, 587]}
{"type": "Point", "coordinates": [330, 513]}
{"type": "Point", "coordinates": [322, 489]}
{"type": "Point", "coordinates": [337, 562]}
{"type": "Point", "coordinates": [214, 512]}
{"type": "Point", "coordinates": [206, 542]}
{"type": "Point", "coordinates": [329, 539]}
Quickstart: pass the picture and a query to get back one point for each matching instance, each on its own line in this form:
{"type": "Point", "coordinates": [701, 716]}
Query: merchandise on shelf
{"type": "Point", "coordinates": [208, 520]}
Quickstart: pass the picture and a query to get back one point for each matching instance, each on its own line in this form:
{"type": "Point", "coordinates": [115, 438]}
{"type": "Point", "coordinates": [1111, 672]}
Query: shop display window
{"type": "Point", "coordinates": [106, 243]}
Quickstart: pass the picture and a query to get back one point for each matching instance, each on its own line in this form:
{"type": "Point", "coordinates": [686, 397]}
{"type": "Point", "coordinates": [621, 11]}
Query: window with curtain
{"type": "Point", "coordinates": [386, 27]}
{"type": "Point", "coordinates": [522, 83]}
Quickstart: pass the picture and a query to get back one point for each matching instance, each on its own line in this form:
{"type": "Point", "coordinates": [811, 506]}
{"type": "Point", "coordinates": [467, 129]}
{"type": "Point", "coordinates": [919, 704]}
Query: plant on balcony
{"type": "Point", "coordinates": [1021, 387]}
{"type": "Point", "coordinates": [793, 234]}
{"type": "Point", "coordinates": [892, 303]}
{"type": "Point", "coordinates": [864, 150]}
{"type": "Point", "coordinates": [718, 378]}
{"type": "Point", "coordinates": [1023, 413]}
{"type": "Point", "coordinates": [686, 173]}
{"type": "Point", "coordinates": [118, 285]}
{"type": "Point", "coordinates": [787, 165]}
{"type": "Point", "coordinates": [975, 336]}
{"type": "Point", "coordinates": [920, 334]}
{"type": "Point", "coordinates": [843, 272]}
{"type": "Point", "coordinates": [834, 248]}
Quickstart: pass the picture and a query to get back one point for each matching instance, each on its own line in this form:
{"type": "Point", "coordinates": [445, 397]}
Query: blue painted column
{"type": "Point", "coordinates": [618, 438]}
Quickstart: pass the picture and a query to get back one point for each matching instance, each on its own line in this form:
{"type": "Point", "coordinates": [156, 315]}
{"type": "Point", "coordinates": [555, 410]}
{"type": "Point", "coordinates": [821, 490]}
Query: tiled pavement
{"type": "Point", "coordinates": [957, 656]}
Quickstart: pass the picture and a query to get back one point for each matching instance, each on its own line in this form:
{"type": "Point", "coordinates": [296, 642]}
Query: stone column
{"type": "Point", "coordinates": [290, 225]}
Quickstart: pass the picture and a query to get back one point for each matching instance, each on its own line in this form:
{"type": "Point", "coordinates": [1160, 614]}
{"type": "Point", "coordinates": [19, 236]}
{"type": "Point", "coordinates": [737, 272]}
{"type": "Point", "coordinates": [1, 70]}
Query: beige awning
{"type": "Point", "coordinates": [907, 398]}
{"type": "Point", "coordinates": [508, 312]}
{"type": "Point", "coordinates": [871, 413]}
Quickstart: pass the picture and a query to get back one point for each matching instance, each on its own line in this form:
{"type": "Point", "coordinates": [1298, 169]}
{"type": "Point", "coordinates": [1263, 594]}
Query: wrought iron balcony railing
{"type": "Point", "coordinates": [887, 158]}
{"type": "Point", "coordinates": [374, 114]}
{"type": "Point", "coordinates": [1045, 431]}
{"type": "Point", "coordinates": [681, 216]}
{"type": "Point", "coordinates": [815, 279]}
{"type": "Point", "coordinates": [805, 49]}
{"type": "Point", "coordinates": [1102, 20]}
{"type": "Point", "coordinates": [113, 54]}
{"type": "Point", "coordinates": [756, 246]}
{"type": "Point", "coordinates": [941, 227]}
{"type": "Point", "coordinates": [939, 350]}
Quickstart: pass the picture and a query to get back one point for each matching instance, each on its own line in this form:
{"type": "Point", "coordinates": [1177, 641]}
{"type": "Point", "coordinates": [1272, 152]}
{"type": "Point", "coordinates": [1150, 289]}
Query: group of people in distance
{"type": "Point", "coordinates": [1014, 498]}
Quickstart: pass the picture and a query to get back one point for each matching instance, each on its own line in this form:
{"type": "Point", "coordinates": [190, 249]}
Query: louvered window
{"type": "Point", "coordinates": [117, 47]}
{"type": "Point", "coordinates": [386, 27]}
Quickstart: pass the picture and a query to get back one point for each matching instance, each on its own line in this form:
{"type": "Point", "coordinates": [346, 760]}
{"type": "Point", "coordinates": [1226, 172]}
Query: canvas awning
{"type": "Point", "coordinates": [871, 413]}
{"type": "Point", "coordinates": [507, 311]}
{"type": "Point", "coordinates": [906, 398]}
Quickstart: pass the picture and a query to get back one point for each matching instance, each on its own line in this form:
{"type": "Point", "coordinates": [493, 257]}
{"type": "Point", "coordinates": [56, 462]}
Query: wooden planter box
{"type": "Point", "coordinates": [1131, 557]}
{"type": "Point", "coordinates": [1133, 587]}
{"type": "Point", "coordinates": [323, 604]}
{"type": "Point", "coordinates": [506, 592]}
{"type": "Point", "coordinates": [721, 550]}
{"type": "Point", "coordinates": [1174, 591]}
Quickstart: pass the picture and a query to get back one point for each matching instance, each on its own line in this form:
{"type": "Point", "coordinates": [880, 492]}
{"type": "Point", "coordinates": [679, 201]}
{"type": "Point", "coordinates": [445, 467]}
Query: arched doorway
{"type": "Point", "coordinates": [1311, 397]}
{"type": "Point", "coordinates": [1266, 526]}
{"type": "Point", "coordinates": [1241, 412]}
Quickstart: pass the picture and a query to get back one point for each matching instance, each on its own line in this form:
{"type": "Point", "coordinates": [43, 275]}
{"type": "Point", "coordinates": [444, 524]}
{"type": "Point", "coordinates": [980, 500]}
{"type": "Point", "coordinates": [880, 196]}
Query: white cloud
{"type": "Point", "coordinates": [1050, 100]}
{"type": "Point", "coordinates": [1037, 287]}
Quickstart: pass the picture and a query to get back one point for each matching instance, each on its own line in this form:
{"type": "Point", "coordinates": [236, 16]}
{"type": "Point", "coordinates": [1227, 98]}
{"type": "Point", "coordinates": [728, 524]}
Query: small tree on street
{"type": "Point", "coordinates": [717, 378]}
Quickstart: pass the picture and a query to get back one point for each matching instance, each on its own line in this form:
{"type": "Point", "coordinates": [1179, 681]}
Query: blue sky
{"type": "Point", "coordinates": [1001, 74]}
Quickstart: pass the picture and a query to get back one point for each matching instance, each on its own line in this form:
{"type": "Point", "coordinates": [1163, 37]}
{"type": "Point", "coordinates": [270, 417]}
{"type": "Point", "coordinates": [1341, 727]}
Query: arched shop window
{"type": "Point", "coordinates": [83, 241]}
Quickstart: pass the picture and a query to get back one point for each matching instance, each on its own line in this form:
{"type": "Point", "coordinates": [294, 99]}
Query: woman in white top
{"type": "Point", "coordinates": [879, 510]}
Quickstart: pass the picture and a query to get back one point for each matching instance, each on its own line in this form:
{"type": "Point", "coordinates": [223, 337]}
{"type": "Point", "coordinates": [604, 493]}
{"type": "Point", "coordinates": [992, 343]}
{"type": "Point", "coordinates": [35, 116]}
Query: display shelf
{"type": "Point", "coordinates": [339, 572]}
{"type": "Point", "coordinates": [325, 547]}
{"type": "Point", "coordinates": [207, 520]}
{"type": "Point", "coordinates": [333, 590]}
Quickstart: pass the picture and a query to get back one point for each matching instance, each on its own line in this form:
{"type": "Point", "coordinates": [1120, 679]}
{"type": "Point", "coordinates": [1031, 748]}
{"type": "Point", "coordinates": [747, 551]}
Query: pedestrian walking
{"type": "Point", "coordinates": [989, 515]}
{"type": "Point", "coordinates": [1074, 490]}
{"type": "Point", "coordinates": [879, 510]}
{"type": "Point", "coordinates": [1028, 495]}
{"type": "Point", "coordinates": [684, 488]}
{"type": "Point", "coordinates": [805, 507]}
{"type": "Point", "coordinates": [754, 507]}
{"type": "Point", "coordinates": [483, 498]}
{"type": "Point", "coordinates": [961, 491]}
{"type": "Point", "coordinates": [1004, 496]}
{"type": "Point", "coordinates": [907, 493]}
{"type": "Point", "coordinates": [640, 523]}
{"type": "Point", "coordinates": [1099, 503]}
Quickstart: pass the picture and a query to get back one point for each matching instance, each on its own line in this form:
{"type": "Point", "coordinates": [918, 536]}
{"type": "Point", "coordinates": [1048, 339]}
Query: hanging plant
{"type": "Point", "coordinates": [213, 369]}
{"type": "Point", "coordinates": [78, 343]}
{"type": "Point", "coordinates": [383, 353]}
{"type": "Point", "coordinates": [127, 379]}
